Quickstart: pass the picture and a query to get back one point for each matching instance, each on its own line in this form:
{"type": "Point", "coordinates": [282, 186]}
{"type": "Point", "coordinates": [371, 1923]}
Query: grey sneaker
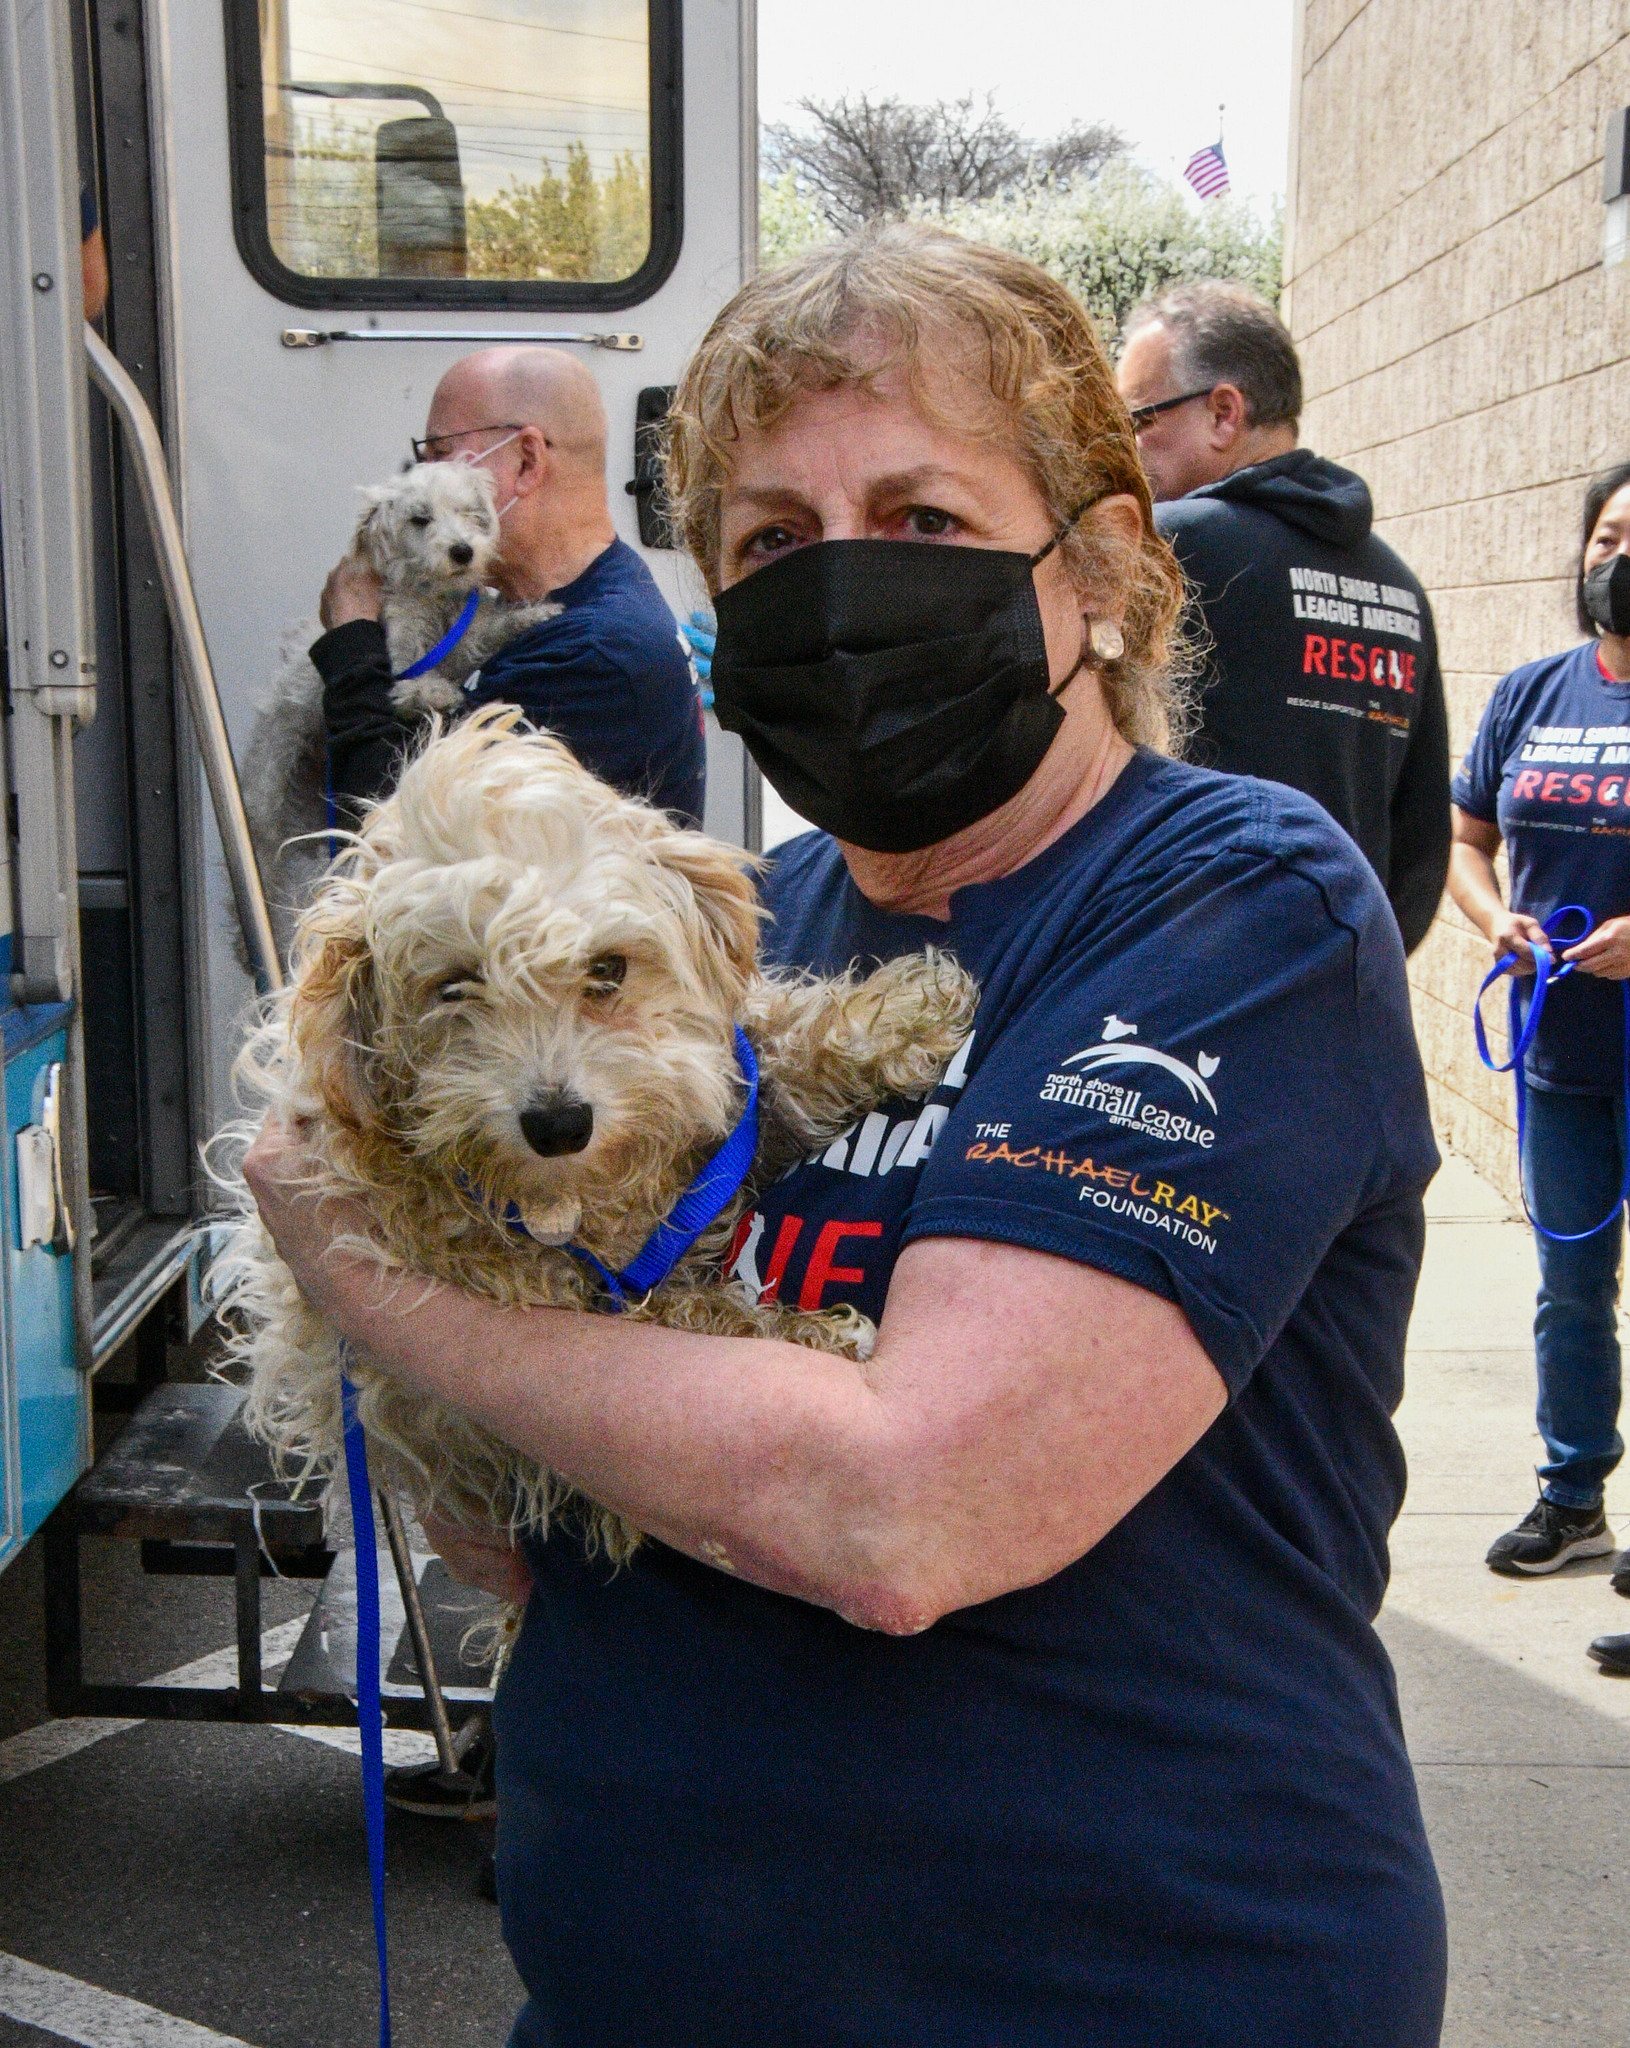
{"type": "Point", "coordinates": [1548, 1537]}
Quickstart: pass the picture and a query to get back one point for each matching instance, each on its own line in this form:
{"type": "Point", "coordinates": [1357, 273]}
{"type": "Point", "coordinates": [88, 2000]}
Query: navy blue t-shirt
{"type": "Point", "coordinates": [1162, 1797]}
{"type": "Point", "coordinates": [610, 676]}
{"type": "Point", "coordinates": [1551, 767]}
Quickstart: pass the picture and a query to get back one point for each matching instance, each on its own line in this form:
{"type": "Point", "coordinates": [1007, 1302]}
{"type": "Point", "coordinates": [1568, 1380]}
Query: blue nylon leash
{"type": "Point", "coordinates": [701, 1203]}
{"type": "Point", "coordinates": [370, 1714]}
{"type": "Point", "coordinates": [1524, 1027]}
{"type": "Point", "coordinates": [448, 641]}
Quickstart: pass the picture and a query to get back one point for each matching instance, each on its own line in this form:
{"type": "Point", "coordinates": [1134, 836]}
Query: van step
{"type": "Point", "coordinates": [183, 1474]}
{"type": "Point", "coordinates": [325, 1659]}
{"type": "Point", "coordinates": [185, 1468]}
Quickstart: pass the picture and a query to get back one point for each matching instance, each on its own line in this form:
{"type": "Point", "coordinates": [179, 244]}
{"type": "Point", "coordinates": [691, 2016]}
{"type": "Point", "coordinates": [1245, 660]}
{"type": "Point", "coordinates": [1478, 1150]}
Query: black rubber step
{"type": "Point", "coordinates": [325, 1659]}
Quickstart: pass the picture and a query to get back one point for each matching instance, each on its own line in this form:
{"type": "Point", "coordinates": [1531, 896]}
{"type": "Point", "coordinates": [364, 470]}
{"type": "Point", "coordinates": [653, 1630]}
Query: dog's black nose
{"type": "Point", "coordinates": [462, 553]}
{"type": "Point", "coordinates": [557, 1125]}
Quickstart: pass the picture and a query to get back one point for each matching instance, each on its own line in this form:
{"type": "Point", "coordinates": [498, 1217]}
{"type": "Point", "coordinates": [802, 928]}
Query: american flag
{"type": "Point", "coordinates": [1207, 172]}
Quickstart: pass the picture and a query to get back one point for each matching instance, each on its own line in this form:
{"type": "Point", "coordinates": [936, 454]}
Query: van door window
{"type": "Point", "coordinates": [409, 151]}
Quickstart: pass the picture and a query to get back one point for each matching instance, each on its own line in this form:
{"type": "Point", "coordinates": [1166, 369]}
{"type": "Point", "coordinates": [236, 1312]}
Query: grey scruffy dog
{"type": "Point", "coordinates": [430, 536]}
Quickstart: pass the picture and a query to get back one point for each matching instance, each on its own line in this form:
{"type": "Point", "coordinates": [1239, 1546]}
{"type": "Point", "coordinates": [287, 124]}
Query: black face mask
{"type": "Point", "coordinates": [1607, 595]}
{"type": "Point", "coordinates": [892, 692]}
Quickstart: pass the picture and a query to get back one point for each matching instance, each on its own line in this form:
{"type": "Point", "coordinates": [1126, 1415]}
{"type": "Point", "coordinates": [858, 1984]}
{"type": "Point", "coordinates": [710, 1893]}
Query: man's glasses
{"type": "Point", "coordinates": [437, 447]}
{"type": "Point", "coordinates": [1146, 415]}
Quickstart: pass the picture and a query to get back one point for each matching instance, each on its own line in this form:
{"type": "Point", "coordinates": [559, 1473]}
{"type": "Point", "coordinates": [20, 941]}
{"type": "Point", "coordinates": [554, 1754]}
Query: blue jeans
{"type": "Point", "coordinates": [1572, 1168]}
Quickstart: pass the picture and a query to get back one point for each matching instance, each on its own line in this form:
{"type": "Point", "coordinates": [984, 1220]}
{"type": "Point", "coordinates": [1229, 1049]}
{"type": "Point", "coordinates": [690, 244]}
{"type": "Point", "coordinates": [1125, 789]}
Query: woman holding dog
{"type": "Point", "coordinates": [1545, 774]}
{"type": "Point", "coordinates": [1017, 1686]}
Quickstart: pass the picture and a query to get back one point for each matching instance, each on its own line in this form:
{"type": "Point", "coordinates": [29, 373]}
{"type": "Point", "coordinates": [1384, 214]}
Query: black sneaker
{"type": "Point", "coordinates": [1620, 1581]}
{"type": "Point", "coordinates": [1613, 1654]}
{"type": "Point", "coordinates": [1547, 1537]}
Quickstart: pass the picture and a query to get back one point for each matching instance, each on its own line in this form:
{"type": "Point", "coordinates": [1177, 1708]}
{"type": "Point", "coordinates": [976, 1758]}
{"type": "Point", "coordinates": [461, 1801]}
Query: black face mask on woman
{"type": "Point", "coordinates": [1607, 595]}
{"type": "Point", "coordinates": [892, 691]}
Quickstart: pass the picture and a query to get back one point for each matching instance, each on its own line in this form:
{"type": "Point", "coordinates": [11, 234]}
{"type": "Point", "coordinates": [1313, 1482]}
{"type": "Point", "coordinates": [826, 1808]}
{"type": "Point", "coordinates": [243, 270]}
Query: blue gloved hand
{"type": "Point", "coordinates": [699, 631]}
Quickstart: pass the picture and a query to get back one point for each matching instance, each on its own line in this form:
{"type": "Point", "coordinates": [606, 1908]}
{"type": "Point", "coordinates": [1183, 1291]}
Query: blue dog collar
{"type": "Point", "coordinates": [448, 641]}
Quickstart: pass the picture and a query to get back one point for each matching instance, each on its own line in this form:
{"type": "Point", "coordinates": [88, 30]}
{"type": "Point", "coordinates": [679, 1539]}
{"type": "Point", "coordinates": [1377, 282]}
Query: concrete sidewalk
{"type": "Point", "coordinates": [1522, 1747]}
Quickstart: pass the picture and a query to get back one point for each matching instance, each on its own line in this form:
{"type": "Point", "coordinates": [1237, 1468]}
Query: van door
{"type": "Point", "coordinates": [462, 170]}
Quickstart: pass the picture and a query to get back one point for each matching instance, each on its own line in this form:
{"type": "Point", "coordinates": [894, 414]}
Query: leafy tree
{"type": "Point", "coordinates": [862, 159]}
{"type": "Point", "coordinates": [575, 228]}
{"type": "Point", "coordinates": [788, 220]}
{"type": "Point", "coordinates": [1123, 236]}
{"type": "Point", "coordinates": [320, 196]}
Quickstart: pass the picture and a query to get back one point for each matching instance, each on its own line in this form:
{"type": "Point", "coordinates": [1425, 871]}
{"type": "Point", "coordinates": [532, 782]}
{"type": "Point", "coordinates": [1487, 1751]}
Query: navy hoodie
{"type": "Point", "coordinates": [1321, 663]}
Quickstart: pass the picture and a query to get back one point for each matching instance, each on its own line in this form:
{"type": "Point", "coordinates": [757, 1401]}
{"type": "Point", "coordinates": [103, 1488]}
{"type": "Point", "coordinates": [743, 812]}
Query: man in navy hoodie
{"type": "Point", "coordinates": [1321, 659]}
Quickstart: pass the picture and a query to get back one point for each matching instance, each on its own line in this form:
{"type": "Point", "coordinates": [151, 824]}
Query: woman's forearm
{"type": "Point", "coordinates": [757, 1456]}
{"type": "Point", "coordinates": [1475, 886]}
{"type": "Point", "coordinates": [1016, 1407]}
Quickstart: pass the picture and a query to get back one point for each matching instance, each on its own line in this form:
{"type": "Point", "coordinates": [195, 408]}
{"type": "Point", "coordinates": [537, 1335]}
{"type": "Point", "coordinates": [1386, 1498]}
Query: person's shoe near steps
{"type": "Point", "coordinates": [1548, 1537]}
{"type": "Point", "coordinates": [1620, 1581]}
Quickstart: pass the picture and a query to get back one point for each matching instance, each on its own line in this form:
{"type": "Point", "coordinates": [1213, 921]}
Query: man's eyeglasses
{"type": "Point", "coordinates": [437, 447]}
{"type": "Point", "coordinates": [1146, 415]}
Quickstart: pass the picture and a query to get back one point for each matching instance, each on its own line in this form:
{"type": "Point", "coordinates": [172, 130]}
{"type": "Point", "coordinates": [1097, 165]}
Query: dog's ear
{"type": "Point", "coordinates": [485, 485]}
{"type": "Point", "coordinates": [333, 1012]}
{"type": "Point", "coordinates": [369, 529]}
{"type": "Point", "coordinates": [719, 883]}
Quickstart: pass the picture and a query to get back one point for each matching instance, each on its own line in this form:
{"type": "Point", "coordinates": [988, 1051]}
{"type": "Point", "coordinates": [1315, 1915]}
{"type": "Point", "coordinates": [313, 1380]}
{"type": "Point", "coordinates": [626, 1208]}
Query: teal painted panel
{"type": "Point", "coordinates": [49, 1390]}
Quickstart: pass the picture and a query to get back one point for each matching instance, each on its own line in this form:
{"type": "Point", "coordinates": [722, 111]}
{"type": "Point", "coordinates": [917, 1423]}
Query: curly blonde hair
{"type": "Point", "coordinates": [917, 296]}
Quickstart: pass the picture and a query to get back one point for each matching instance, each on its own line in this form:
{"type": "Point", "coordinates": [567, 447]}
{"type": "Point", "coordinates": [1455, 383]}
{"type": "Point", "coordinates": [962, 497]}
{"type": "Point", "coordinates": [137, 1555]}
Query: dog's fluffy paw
{"type": "Point", "coordinates": [424, 695]}
{"type": "Point", "coordinates": [911, 1017]}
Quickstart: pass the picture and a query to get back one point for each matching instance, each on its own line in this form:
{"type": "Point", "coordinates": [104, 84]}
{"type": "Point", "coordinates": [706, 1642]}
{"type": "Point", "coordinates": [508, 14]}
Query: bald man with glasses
{"type": "Point", "coordinates": [608, 676]}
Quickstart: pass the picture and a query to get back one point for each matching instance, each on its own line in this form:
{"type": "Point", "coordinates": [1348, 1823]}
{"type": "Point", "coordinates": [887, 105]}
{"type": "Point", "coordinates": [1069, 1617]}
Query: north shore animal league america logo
{"type": "Point", "coordinates": [1125, 1104]}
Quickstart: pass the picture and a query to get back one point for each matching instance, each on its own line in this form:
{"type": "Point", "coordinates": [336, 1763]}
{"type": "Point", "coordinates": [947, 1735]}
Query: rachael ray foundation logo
{"type": "Point", "coordinates": [1126, 1103]}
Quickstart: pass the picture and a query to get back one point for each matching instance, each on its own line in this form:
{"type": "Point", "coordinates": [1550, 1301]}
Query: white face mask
{"type": "Point", "coordinates": [476, 461]}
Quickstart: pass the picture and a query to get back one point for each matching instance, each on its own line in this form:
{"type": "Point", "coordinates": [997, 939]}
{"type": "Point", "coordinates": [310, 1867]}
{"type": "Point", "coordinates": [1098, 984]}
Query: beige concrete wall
{"type": "Point", "coordinates": [1465, 350]}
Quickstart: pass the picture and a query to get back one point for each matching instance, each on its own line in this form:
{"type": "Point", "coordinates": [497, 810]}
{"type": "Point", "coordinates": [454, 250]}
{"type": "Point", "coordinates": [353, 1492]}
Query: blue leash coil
{"type": "Point", "coordinates": [1524, 1027]}
{"type": "Point", "coordinates": [370, 1710]}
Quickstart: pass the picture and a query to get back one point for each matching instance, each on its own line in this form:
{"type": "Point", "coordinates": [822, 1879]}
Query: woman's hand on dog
{"type": "Point", "coordinates": [352, 591]}
{"type": "Point", "coordinates": [279, 1169]}
{"type": "Point", "coordinates": [491, 1563]}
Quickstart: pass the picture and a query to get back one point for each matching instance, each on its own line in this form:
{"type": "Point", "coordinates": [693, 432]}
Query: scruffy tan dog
{"type": "Point", "coordinates": [512, 1023]}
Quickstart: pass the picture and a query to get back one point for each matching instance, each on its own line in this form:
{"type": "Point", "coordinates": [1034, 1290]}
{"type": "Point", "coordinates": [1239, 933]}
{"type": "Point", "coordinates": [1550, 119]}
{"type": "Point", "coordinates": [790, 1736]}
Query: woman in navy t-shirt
{"type": "Point", "coordinates": [1018, 1686]}
{"type": "Point", "coordinates": [1549, 773]}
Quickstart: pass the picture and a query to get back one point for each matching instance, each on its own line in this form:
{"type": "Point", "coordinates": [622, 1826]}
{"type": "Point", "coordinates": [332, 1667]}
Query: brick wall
{"type": "Point", "coordinates": [1465, 350]}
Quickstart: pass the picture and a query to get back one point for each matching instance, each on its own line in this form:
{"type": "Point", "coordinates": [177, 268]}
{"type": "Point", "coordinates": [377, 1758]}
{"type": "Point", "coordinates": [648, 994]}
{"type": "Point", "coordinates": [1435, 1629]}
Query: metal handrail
{"type": "Point", "coordinates": [198, 674]}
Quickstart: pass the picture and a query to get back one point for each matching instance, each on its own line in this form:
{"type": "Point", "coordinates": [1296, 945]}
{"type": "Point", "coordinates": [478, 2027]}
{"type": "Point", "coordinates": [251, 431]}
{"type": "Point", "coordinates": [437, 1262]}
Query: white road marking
{"type": "Point", "coordinates": [74, 2011]}
{"type": "Point", "coordinates": [402, 1745]}
{"type": "Point", "coordinates": [50, 1741]}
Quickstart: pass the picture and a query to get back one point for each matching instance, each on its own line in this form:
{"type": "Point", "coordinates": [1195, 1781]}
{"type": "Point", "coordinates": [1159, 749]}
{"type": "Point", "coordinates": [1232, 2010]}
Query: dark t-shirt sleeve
{"type": "Point", "coordinates": [366, 740]}
{"type": "Point", "coordinates": [1476, 786]}
{"type": "Point", "coordinates": [624, 703]}
{"type": "Point", "coordinates": [1194, 1111]}
{"type": "Point", "coordinates": [1418, 864]}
